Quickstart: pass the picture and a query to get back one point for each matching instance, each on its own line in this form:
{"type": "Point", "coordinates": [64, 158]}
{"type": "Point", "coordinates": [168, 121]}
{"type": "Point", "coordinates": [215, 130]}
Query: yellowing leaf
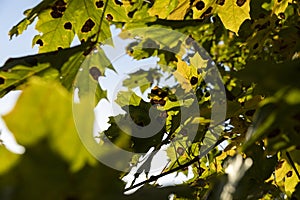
{"type": "Point", "coordinates": [180, 11]}
{"type": "Point", "coordinates": [233, 13]}
{"type": "Point", "coordinates": [48, 115]}
{"type": "Point", "coordinates": [279, 7]}
{"type": "Point", "coordinates": [162, 9]}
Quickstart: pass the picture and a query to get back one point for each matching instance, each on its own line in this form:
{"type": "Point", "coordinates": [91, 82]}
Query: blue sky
{"type": "Point", "coordinates": [11, 12]}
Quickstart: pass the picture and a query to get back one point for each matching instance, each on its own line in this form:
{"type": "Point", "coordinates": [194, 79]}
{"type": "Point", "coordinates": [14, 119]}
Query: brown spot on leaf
{"type": "Point", "coordinates": [279, 165]}
{"type": "Point", "coordinates": [88, 25]}
{"type": "Point", "coordinates": [289, 174]}
{"type": "Point", "coordinates": [40, 42]}
{"type": "Point", "coordinates": [56, 14]}
{"type": "Point", "coordinates": [281, 15]}
{"type": "Point", "coordinates": [200, 5]}
{"type": "Point", "coordinates": [61, 9]}
{"type": "Point", "coordinates": [59, 48]}
{"type": "Point", "coordinates": [180, 150]}
{"type": "Point", "coordinates": [95, 73]}
{"type": "Point", "coordinates": [68, 25]}
{"type": "Point", "coordinates": [60, 3]}
{"type": "Point", "coordinates": [240, 3]}
{"type": "Point", "coordinates": [194, 80]}
{"type": "Point", "coordinates": [99, 4]}
{"type": "Point", "coordinates": [207, 12]}
{"type": "Point", "coordinates": [109, 17]}
{"type": "Point", "coordinates": [279, 1]}
{"type": "Point", "coordinates": [220, 2]}
{"type": "Point", "coordinates": [2, 80]}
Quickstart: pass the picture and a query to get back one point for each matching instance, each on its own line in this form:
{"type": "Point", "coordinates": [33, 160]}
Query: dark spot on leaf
{"type": "Point", "coordinates": [220, 2]}
{"type": "Point", "coordinates": [289, 174]}
{"type": "Point", "coordinates": [59, 48]}
{"type": "Point", "coordinates": [180, 150]}
{"type": "Point", "coordinates": [160, 102]}
{"type": "Point", "coordinates": [281, 15]}
{"type": "Point", "coordinates": [118, 2]}
{"type": "Point", "coordinates": [240, 2]}
{"type": "Point", "coordinates": [250, 112]}
{"type": "Point", "coordinates": [207, 12]}
{"type": "Point", "coordinates": [88, 25]}
{"type": "Point", "coordinates": [194, 80]}
{"type": "Point", "coordinates": [200, 5]}
{"type": "Point", "coordinates": [279, 1]}
{"type": "Point", "coordinates": [130, 14]}
{"type": "Point", "coordinates": [61, 9]}
{"type": "Point", "coordinates": [60, 3]}
{"type": "Point", "coordinates": [255, 46]}
{"type": "Point", "coordinates": [68, 25]}
{"type": "Point", "coordinates": [95, 73]}
{"type": "Point", "coordinates": [109, 17]}
{"type": "Point", "coordinates": [55, 14]}
{"type": "Point", "coordinates": [99, 4]}
{"type": "Point", "coordinates": [39, 42]}
{"type": "Point", "coordinates": [279, 165]}
{"type": "Point", "coordinates": [2, 80]}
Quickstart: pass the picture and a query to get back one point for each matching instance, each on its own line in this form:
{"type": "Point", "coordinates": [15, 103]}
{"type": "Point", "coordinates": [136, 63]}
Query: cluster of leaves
{"type": "Point", "coordinates": [254, 45]}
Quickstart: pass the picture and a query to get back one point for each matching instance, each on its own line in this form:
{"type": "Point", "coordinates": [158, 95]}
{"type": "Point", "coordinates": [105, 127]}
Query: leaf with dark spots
{"type": "Point", "coordinates": [2, 80]}
{"type": "Point", "coordinates": [40, 42]}
{"type": "Point", "coordinates": [109, 17]}
{"type": "Point", "coordinates": [68, 25]}
{"type": "Point", "coordinates": [200, 5]}
{"type": "Point", "coordinates": [282, 15]}
{"type": "Point", "coordinates": [88, 25]}
{"type": "Point", "coordinates": [95, 73]}
{"type": "Point", "coordinates": [61, 9]}
{"type": "Point", "coordinates": [240, 3]}
{"type": "Point", "coordinates": [99, 4]}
